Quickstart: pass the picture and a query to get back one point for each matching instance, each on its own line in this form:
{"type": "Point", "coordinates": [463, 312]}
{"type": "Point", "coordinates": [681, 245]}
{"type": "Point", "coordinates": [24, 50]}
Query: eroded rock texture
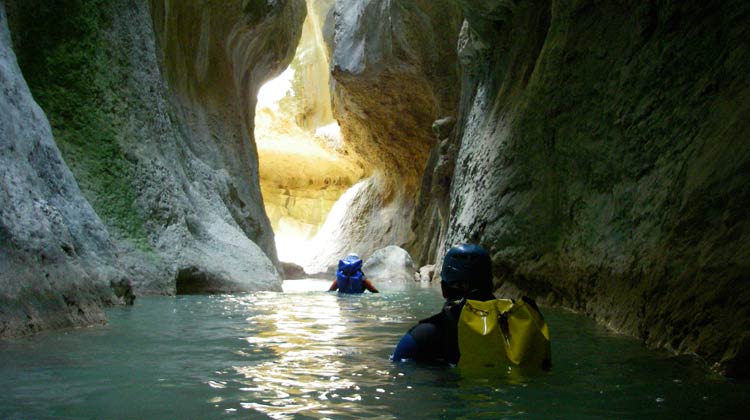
{"type": "Point", "coordinates": [599, 150]}
{"type": "Point", "coordinates": [152, 108]}
{"type": "Point", "coordinates": [56, 258]}
{"type": "Point", "coordinates": [215, 57]}
{"type": "Point", "coordinates": [394, 74]}
{"type": "Point", "coordinates": [604, 160]}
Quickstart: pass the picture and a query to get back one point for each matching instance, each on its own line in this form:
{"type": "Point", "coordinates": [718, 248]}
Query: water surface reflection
{"type": "Point", "coordinates": [317, 361]}
{"type": "Point", "coordinates": [307, 353]}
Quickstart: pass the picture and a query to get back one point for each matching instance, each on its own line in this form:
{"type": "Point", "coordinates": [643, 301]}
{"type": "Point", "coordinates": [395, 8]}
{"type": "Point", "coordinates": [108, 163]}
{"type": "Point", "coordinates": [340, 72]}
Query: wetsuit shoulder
{"type": "Point", "coordinates": [421, 342]}
{"type": "Point", "coordinates": [434, 338]}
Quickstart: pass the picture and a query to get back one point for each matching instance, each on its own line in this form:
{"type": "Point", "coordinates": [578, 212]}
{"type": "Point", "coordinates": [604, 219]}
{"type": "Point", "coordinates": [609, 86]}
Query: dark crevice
{"type": "Point", "coordinates": [194, 281]}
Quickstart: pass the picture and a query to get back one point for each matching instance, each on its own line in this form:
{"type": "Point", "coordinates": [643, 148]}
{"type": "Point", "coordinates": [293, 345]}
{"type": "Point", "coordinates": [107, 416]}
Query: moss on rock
{"type": "Point", "coordinates": [605, 162]}
{"type": "Point", "coordinates": [67, 62]}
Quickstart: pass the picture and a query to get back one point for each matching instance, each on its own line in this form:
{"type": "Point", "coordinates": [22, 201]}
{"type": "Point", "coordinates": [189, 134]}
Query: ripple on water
{"type": "Point", "coordinates": [309, 353]}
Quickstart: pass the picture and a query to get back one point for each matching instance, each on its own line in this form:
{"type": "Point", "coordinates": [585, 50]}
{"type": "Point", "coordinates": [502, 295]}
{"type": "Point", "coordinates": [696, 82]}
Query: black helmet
{"type": "Point", "coordinates": [467, 270]}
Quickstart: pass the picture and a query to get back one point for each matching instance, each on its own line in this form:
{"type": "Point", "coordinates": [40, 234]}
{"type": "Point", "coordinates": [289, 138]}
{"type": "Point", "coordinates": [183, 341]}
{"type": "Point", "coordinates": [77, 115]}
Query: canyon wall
{"type": "Point", "coordinates": [215, 58]}
{"type": "Point", "coordinates": [58, 266]}
{"type": "Point", "coordinates": [394, 73]}
{"type": "Point", "coordinates": [604, 161]}
{"type": "Point", "coordinates": [158, 135]}
{"type": "Point", "coordinates": [303, 167]}
{"type": "Point", "coordinates": [598, 150]}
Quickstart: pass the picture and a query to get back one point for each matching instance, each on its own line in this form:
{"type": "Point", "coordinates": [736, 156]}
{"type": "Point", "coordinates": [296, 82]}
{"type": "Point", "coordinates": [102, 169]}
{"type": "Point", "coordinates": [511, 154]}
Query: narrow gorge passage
{"type": "Point", "coordinates": [597, 150]}
{"type": "Point", "coordinates": [344, 133]}
{"type": "Point", "coordinates": [304, 166]}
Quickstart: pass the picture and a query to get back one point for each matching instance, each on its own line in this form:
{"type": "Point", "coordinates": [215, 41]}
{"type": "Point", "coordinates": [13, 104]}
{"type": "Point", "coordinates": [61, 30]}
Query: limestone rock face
{"type": "Point", "coordinates": [392, 64]}
{"type": "Point", "coordinates": [361, 219]}
{"type": "Point", "coordinates": [389, 265]}
{"type": "Point", "coordinates": [604, 162]}
{"type": "Point", "coordinates": [56, 258]}
{"type": "Point", "coordinates": [426, 273]}
{"type": "Point", "coordinates": [432, 212]}
{"type": "Point", "coordinates": [216, 56]}
{"type": "Point", "coordinates": [303, 167]}
{"type": "Point", "coordinates": [312, 63]}
{"type": "Point", "coordinates": [151, 106]}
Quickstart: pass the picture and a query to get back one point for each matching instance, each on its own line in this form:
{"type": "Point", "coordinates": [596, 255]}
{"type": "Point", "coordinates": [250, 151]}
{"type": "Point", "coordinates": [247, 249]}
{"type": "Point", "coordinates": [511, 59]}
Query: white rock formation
{"type": "Point", "coordinates": [426, 273]}
{"type": "Point", "coordinates": [389, 265]}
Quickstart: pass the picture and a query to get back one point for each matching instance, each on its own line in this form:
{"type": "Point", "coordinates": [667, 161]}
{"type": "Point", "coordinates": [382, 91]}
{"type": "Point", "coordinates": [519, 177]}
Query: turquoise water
{"type": "Point", "coordinates": [310, 354]}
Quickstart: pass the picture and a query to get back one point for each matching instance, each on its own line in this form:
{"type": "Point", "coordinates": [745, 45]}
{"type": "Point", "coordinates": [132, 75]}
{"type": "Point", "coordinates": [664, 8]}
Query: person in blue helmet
{"type": "Point", "coordinates": [350, 278]}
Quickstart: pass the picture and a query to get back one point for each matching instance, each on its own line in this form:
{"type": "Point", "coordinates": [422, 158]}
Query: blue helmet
{"type": "Point", "coordinates": [467, 269]}
{"type": "Point", "coordinates": [350, 264]}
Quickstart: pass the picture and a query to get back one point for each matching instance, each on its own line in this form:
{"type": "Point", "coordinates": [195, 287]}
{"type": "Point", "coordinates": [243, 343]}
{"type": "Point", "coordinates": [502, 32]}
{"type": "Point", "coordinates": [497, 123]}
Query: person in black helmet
{"type": "Point", "coordinates": [466, 274]}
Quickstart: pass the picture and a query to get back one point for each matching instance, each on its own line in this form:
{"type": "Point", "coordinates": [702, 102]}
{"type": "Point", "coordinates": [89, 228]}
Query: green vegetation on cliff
{"type": "Point", "coordinates": [65, 58]}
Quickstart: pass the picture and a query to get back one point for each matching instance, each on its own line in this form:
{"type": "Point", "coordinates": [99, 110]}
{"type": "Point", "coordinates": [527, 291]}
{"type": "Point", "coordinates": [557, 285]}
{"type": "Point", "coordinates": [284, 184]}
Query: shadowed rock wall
{"type": "Point", "coordinates": [215, 58]}
{"type": "Point", "coordinates": [169, 167]}
{"type": "Point", "coordinates": [604, 161]}
{"type": "Point", "coordinates": [56, 257]}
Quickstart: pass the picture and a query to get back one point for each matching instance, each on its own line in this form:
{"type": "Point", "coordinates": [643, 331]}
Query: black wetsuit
{"type": "Point", "coordinates": [436, 338]}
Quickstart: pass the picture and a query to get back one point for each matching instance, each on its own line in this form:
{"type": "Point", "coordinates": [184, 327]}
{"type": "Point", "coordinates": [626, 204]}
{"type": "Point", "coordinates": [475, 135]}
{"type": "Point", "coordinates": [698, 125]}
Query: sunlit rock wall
{"type": "Point", "coordinates": [152, 106]}
{"type": "Point", "coordinates": [301, 181]}
{"type": "Point", "coordinates": [56, 258]}
{"type": "Point", "coordinates": [393, 64]}
{"type": "Point", "coordinates": [304, 168]}
{"type": "Point", "coordinates": [360, 219]}
{"type": "Point", "coordinates": [312, 63]}
{"type": "Point", "coordinates": [604, 161]}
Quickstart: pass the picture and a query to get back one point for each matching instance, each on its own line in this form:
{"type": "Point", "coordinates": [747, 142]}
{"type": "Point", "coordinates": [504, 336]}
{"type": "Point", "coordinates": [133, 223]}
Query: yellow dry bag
{"type": "Point", "coordinates": [502, 332]}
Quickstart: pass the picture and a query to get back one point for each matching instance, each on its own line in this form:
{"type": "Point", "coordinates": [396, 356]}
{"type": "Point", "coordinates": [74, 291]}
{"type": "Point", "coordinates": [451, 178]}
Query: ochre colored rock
{"type": "Point", "coordinates": [393, 71]}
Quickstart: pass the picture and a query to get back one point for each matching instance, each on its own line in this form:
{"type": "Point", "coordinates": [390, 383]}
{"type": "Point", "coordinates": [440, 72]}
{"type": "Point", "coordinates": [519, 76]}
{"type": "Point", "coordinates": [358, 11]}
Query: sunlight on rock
{"type": "Point", "coordinates": [273, 91]}
{"type": "Point", "coordinates": [330, 135]}
{"type": "Point", "coordinates": [303, 166]}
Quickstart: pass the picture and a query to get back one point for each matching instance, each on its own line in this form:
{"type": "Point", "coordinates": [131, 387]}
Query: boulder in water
{"type": "Point", "coordinates": [425, 273]}
{"type": "Point", "coordinates": [389, 264]}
